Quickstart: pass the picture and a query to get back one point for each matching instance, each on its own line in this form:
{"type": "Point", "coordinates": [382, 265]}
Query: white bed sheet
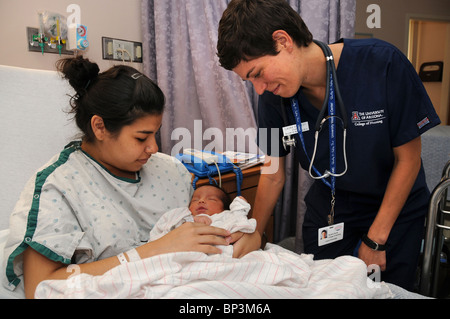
{"type": "Point", "coordinates": [275, 273]}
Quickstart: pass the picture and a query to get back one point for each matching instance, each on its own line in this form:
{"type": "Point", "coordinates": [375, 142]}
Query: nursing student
{"type": "Point", "coordinates": [95, 203]}
{"type": "Point", "coordinates": [377, 194]}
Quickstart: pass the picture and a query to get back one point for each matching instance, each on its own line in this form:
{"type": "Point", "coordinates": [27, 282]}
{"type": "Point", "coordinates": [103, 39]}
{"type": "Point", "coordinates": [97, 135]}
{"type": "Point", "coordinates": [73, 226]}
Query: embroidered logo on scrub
{"type": "Point", "coordinates": [368, 118]}
{"type": "Point", "coordinates": [422, 123]}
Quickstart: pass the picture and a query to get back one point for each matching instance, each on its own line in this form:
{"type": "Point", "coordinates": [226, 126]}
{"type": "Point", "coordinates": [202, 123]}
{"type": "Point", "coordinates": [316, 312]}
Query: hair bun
{"type": "Point", "coordinates": [78, 71]}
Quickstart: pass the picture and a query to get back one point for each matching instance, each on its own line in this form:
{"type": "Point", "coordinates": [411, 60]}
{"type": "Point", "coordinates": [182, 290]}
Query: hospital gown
{"type": "Point", "coordinates": [75, 211]}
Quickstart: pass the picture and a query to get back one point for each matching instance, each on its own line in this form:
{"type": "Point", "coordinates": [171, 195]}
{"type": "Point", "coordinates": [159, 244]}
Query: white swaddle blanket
{"type": "Point", "coordinates": [233, 220]}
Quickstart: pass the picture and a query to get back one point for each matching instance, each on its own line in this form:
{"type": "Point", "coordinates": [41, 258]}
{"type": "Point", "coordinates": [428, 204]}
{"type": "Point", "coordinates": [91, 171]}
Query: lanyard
{"type": "Point", "coordinates": [332, 132]}
{"type": "Point", "coordinates": [332, 141]}
{"type": "Point", "coordinates": [332, 114]}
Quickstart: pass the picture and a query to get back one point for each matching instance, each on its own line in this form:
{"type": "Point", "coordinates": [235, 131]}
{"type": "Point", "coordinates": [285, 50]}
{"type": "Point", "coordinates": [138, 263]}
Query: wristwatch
{"type": "Point", "coordinates": [373, 245]}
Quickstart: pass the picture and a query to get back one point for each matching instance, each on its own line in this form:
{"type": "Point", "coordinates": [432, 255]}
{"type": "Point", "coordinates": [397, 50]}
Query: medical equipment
{"type": "Point", "coordinates": [332, 97]}
{"type": "Point", "coordinates": [208, 164]}
{"type": "Point", "coordinates": [51, 37]}
{"type": "Point", "coordinates": [209, 158]}
{"type": "Point", "coordinates": [434, 238]}
{"type": "Point", "coordinates": [77, 37]}
{"type": "Point", "coordinates": [42, 39]}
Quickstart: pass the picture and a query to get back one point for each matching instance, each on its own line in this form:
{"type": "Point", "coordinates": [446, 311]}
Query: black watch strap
{"type": "Point", "coordinates": [373, 245]}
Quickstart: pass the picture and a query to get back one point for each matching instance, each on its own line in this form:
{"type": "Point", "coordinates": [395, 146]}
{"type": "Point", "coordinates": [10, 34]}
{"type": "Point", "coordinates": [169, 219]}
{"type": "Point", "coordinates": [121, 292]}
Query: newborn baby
{"type": "Point", "coordinates": [209, 205]}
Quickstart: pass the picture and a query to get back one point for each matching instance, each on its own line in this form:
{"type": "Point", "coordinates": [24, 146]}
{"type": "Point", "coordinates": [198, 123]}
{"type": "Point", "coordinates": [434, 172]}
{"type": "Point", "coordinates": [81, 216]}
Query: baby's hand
{"type": "Point", "coordinates": [242, 198]}
{"type": "Point", "coordinates": [203, 220]}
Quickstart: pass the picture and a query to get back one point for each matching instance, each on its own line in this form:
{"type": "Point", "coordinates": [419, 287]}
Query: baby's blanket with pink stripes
{"type": "Point", "coordinates": [274, 273]}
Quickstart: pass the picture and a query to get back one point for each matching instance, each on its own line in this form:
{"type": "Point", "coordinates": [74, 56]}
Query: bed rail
{"type": "Point", "coordinates": [434, 239]}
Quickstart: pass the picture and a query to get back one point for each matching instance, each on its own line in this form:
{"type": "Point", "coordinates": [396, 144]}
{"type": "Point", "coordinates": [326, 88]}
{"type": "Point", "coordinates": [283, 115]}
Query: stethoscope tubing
{"type": "Point", "coordinates": [330, 70]}
{"type": "Point", "coordinates": [327, 172]}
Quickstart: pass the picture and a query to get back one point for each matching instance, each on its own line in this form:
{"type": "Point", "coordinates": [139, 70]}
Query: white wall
{"type": "Point", "coordinates": [122, 19]}
{"type": "Point", "coordinates": [119, 19]}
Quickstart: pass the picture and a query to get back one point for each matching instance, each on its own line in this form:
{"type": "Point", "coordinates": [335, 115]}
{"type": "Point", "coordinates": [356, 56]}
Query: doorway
{"type": "Point", "coordinates": [429, 51]}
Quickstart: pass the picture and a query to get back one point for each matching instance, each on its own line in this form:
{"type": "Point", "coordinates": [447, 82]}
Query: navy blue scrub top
{"type": "Point", "coordinates": [387, 106]}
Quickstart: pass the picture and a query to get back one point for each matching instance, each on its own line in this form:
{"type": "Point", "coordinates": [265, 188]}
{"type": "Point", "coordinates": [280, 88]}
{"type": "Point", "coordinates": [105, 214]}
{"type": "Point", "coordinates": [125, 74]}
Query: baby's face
{"type": "Point", "coordinates": [206, 200]}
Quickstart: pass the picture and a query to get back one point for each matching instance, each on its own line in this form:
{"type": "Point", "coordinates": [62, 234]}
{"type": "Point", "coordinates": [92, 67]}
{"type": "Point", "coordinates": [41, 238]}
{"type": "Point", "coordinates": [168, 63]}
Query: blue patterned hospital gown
{"type": "Point", "coordinates": [75, 211]}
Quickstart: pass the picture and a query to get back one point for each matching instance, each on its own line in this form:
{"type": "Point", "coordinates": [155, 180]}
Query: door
{"type": "Point", "coordinates": [429, 41]}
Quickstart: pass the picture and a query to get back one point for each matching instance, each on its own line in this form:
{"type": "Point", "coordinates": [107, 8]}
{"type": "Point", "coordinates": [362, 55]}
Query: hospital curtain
{"type": "Point", "coordinates": [180, 39]}
{"type": "Point", "coordinates": [179, 45]}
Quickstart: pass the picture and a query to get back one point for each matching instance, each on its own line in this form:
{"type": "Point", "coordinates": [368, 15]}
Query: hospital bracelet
{"type": "Point", "coordinates": [132, 254]}
{"type": "Point", "coordinates": [122, 258]}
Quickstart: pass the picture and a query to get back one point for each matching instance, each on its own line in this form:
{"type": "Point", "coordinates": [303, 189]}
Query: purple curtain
{"type": "Point", "coordinates": [209, 107]}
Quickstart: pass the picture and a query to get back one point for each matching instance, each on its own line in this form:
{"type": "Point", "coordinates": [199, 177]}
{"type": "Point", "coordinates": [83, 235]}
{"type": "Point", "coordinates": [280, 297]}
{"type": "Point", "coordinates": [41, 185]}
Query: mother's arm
{"type": "Point", "coordinates": [188, 237]}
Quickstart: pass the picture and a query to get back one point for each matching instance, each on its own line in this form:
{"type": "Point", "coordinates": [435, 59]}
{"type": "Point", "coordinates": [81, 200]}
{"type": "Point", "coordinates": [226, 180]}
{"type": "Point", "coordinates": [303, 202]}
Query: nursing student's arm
{"type": "Point", "coordinates": [270, 185]}
{"type": "Point", "coordinates": [404, 174]}
{"type": "Point", "coordinates": [187, 237]}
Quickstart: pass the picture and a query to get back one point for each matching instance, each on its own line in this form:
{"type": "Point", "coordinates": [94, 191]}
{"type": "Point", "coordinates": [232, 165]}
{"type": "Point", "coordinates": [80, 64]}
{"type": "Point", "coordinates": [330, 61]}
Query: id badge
{"type": "Point", "coordinates": [331, 234]}
{"type": "Point", "coordinates": [292, 129]}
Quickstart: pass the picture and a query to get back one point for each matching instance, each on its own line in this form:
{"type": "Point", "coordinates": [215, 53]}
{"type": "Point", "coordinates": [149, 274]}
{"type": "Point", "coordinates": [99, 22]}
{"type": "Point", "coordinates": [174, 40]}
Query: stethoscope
{"type": "Point", "coordinates": [332, 97]}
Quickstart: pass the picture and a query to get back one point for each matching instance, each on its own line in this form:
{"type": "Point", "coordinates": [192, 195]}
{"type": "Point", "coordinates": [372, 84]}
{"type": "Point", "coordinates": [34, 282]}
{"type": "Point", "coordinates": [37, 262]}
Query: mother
{"type": "Point", "coordinates": [95, 203]}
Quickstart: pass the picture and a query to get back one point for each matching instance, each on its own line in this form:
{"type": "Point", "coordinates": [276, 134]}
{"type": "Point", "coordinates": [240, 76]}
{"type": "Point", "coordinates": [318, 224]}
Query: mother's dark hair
{"type": "Point", "coordinates": [120, 95]}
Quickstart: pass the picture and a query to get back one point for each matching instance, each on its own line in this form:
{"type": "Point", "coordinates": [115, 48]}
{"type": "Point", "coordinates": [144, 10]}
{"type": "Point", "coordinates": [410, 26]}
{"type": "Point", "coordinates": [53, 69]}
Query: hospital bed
{"type": "Point", "coordinates": [437, 236]}
{"type": "Point", "coordinates": [35, 127]}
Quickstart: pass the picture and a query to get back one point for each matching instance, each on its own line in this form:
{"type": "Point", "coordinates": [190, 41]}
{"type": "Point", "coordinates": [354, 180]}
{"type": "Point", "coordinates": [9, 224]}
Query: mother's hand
{"type": "Point", "coordinates": [246, 244]}
{"type": "Point", "coordinates": [188, 237]}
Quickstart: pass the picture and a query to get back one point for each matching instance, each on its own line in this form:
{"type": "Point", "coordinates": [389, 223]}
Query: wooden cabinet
{"type": "Point", "coordinates": [248, 189]}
